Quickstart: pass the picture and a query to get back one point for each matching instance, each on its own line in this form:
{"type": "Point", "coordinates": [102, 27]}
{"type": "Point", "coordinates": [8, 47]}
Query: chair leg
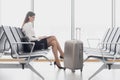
{"type": "Point", "coordinates": [48, 60]}
{"type": "Point", "coordinates": [32, 69]}
{"type": "Point", "coordinates": [99, 70]}
{"type": "Point", "coordinates": [86, 59]}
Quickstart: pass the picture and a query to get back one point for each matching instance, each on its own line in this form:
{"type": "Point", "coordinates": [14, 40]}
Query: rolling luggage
{"type": "Point", "coordinates": [73, 55]}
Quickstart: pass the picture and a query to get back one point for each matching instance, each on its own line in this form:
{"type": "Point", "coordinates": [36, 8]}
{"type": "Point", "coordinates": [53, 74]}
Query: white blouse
{"type": "Point", "coordinates": [29, 31]}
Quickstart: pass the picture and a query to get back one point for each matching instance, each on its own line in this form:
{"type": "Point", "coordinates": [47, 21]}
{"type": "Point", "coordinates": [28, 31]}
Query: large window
{"type": "Point", "coordinates": [93, 17]}
{"type": "Point", "coordinates": [117, 13]}
{"type": "Point", "coordinates": [13, 11]}
{"type": "Point", "coordinates": [53, 18]}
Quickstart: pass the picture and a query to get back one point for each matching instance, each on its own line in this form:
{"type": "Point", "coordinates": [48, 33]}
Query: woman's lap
{"type": "Point", "coordinates": [42, 44]}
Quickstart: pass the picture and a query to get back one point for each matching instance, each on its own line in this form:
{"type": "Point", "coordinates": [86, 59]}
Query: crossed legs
{"type": "Point", "coordinates": [52, 41]}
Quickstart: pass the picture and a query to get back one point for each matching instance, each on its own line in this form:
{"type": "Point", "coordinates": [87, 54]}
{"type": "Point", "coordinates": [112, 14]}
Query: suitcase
{"type": "Point", "coordinates": [73, 55]}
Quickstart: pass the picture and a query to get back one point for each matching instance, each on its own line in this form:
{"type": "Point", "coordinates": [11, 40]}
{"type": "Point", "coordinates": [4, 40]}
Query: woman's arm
{"type": "Point", "coordinates": [29, 31]}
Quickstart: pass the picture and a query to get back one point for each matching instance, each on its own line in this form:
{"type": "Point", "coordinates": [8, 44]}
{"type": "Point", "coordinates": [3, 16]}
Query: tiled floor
{"type": "Point", "coordinates": [51, 72]}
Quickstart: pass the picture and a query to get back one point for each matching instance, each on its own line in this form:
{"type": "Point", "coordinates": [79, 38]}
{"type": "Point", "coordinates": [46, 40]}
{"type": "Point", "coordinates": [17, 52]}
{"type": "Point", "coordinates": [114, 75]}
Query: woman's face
{"type": "Point", "coordinates": [31, 18]}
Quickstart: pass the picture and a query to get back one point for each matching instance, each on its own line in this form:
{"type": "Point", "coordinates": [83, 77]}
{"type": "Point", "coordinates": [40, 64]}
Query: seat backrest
{"type": "Point", "coordinates": [20, 33]}
{"type": "Point", "coordinates": [115, 40]}
{"type": "Point", "coordinates": [105, 35]}
{"type": "Point", "coordinates": [4, 45]}
{"type": "Point", "coordinates": [26, 47]}
{"type": "Point", "coordinates": [17, 39]}
{"type": "Point", "coordinates": [104, 46]}
{"type": "Point", "coordinates": [11, 40]}
{"type": "Point", "coordinates": [118, 47]}
{"type": "Point", "coordinates": [2, 40]}
{"type": "Point", "coordinates": [110, 40]}
{"type": "Point", "coordinates": [108, 35]}
{"type": "Point", "coordinates": [1, 32]}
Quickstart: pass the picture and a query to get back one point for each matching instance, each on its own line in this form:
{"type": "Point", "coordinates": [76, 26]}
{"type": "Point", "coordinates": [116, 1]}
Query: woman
{"type": "Point", "coordinates": [28, 29]}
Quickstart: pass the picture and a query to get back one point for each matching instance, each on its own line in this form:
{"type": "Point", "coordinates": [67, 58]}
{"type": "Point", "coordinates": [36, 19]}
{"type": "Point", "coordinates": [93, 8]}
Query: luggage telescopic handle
{"type": "Point", "coordinates": [78, 33]}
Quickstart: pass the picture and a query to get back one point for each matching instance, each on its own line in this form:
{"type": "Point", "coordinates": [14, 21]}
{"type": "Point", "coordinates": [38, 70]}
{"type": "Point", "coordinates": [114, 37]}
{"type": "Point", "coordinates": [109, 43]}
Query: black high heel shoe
{"type": "Point", "coordinates": [59, 66]}
{"type": "Point", "coordinates": [61, 57]}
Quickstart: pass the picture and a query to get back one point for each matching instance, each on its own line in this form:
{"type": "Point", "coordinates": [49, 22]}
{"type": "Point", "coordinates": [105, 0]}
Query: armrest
{"type": "Point", "coordinates": [33, 44]}
{"type": "Point", "coordinates": [89, 39]}
{"type": "Point", "coordinates": [113, 57]}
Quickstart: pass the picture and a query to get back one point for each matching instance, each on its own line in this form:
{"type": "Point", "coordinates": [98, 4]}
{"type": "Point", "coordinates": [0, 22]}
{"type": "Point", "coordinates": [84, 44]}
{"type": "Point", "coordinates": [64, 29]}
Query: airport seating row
{"type": "Point", "coordinates": [108, 51]}
{"type": "Point", "coordinates": [11, 44]}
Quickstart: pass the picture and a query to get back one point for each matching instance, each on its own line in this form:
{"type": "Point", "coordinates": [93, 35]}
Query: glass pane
{"type": "Point", "coordinates": [53, 18]}
{"type": "Point", "coordinates": [117, 13]}
{"type": "Point", "coordinates": [93, 17]}
{"type": "Point", "coordinates": [13, 12]}
{"type": "Point", "coordinates": [0, 12]}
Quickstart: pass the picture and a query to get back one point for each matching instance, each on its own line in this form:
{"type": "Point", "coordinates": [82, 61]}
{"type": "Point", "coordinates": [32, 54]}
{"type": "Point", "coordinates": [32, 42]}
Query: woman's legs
{"type": "Point", "coordinates": [53, 38]}
{"type": "Point", "coordinates": [52, 41]}
{"type": "Point", "coordinates": [55, 52]}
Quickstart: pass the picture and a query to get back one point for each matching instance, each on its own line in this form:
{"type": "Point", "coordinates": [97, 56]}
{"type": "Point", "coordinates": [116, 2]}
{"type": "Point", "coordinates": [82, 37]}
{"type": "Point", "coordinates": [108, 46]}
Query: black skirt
{"type": "Point", "coordinates": [42, 44]}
